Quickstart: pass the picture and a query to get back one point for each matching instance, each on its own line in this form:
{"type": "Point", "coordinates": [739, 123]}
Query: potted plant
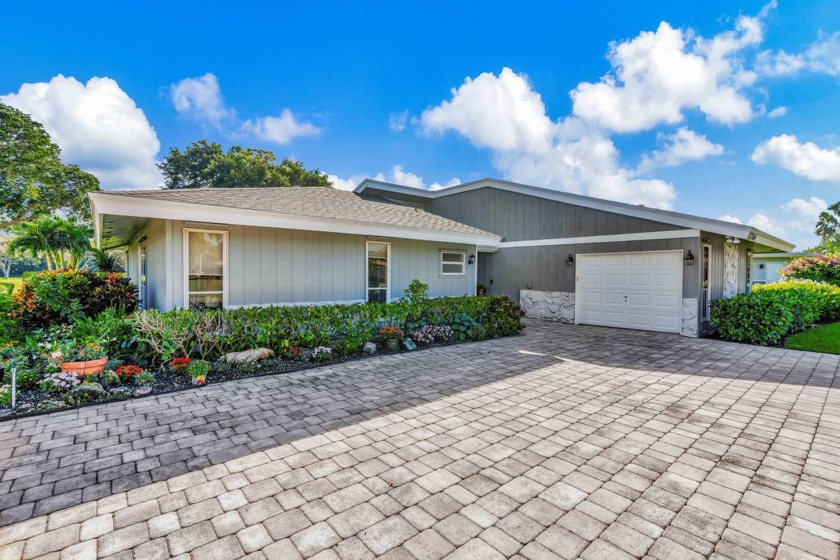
{"type": "Point", "coordinates": [79, 359]}
{"type": "Point", "coordinates": [198, 370]}
{"type": "Point", "coordinates": [392, 337]}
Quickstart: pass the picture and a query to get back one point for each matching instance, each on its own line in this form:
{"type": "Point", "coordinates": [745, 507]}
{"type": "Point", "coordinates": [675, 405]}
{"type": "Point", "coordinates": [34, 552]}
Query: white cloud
{"type": "Point", "coordinates": [280, 130]}
{"type": "Point", "coordinates": [821, 57]}
{"type": "Point", "coordinates": [731, 218]}
{"type": "Point", "coordinates": [766, 224]}
{"type": "Point", "coordinates": [777, 112]}
{"type": "Point", "coordinates": [803, 214]}
{"type": "Point", "coordinates": [683, 146]}
{"type": "Point", "coordinates": [397, 121]}
{"type": "Point", "coordinates": [201, 100]}
{"type": "Point", "coordinates": [503, 113]}
{"type": "Point", "coordinates": [396, 175]}
{"type": "Point", "coordinates": [658, 75]}
{"type": "Point", "coordinates": [97, 126]}
{"type": "Point", "coordinates": [794, 222]}
{"type": "Point", "coordinates": [805, 160]}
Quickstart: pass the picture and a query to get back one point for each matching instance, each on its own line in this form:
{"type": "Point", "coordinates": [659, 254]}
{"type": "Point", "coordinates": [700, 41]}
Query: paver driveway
{"type": "Point", "coordinates": [566, 442]}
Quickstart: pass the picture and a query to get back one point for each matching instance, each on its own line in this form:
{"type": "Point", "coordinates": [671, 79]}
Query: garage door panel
{"type": "Point", "coordinates": [641, 290]}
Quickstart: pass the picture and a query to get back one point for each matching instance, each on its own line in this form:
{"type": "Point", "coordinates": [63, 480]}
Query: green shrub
{"type": "Point", "coordinates": [64, 296]}
{"type": "Point", "coordinates": [114, 330]}
{"type": "Point", "coordinates": [417, 292]}
{"type": "Point", "coordinates": [819, 269]}
{"type": "Point", "coordinates": [209, 334]}
{"type": "Point", "coordinates": [773, 311]}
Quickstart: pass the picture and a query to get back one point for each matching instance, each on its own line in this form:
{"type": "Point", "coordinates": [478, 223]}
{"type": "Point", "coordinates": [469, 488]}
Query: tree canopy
{"type": "Point", "coordinates": [62, 243]}
{"type": "Point", "coordinates": [205, 164]}
{"type": "Point", "coordinates": [828, 228]}
{"type": "Point", "coordinates": [33, 180]}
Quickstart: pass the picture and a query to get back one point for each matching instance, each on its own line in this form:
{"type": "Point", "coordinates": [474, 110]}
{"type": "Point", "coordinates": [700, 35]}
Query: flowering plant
{"type": "Point", "coordinates": [820, 268]}
{"type": "Point", "coordinates": [126, 372]}
{"type": "Point", "coordinates": [391, 333]}
{"type": "Point", "coordinates": [293, 353]}
{"type": "Point", "coordinates": [321, 353]}
{"type": "Point", "coordinates": [198, 370]}
{"type": "Point", "coordinates": [180, 364]}
{"type": "Point", "coordinates": [422, 337]}
{"type": "Point", "coordinates": [440, 333]}
{"type": "Point", "coordinates": [59, 382]}
{"type": "Point", "coordinates": [71, 351]}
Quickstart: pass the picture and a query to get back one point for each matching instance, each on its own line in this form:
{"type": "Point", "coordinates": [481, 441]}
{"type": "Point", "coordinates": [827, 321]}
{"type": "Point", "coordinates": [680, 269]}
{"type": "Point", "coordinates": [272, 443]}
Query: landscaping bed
{"type": "Point", "coordinates": [73, 339]}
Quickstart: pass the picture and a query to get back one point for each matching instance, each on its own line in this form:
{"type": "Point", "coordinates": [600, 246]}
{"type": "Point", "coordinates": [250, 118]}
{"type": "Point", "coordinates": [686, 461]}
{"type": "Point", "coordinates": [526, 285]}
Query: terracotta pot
{"type": "Point", "coordinates": [81, 369]}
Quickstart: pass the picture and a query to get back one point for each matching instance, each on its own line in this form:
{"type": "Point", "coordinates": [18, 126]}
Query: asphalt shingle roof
{"type": "Point", "coordinates": [316, 202]}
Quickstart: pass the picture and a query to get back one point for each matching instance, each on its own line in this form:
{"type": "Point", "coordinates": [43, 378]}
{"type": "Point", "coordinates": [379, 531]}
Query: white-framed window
{"type": "Point", "coordinates": [453, 263]}
{"type": "Point", "coordinates": [378, 271]}
{"type": "Point", "coordinates": [142, 286]}
{"type": "Point", "coordinates": [205, 268]}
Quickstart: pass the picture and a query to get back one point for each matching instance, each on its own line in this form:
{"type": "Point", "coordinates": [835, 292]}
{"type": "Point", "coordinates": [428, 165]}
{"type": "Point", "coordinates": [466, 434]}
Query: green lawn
{"type": "Point", "coordinates": [819, 339]}
{"type": "Point", "coordinates": [13, 280]}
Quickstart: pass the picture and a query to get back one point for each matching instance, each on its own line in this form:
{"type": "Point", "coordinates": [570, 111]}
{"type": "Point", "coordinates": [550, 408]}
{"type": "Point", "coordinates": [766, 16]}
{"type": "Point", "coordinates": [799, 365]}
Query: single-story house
{"type": "Point", "coordinates": [564, 256]}
{"type": "Point", "coordinates": [767, 267]}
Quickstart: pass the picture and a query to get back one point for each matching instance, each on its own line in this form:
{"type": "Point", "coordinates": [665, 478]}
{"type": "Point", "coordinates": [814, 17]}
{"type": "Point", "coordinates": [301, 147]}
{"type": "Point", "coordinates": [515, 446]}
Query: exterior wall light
{"type": "Point", "coordinates": [689, 259]}
{"type": "Point", "coordinates": [471, 260]}
{"type": "Point", "coordinates": [733, 241]}
{"type": "Point", "coordinates": [570, 260]}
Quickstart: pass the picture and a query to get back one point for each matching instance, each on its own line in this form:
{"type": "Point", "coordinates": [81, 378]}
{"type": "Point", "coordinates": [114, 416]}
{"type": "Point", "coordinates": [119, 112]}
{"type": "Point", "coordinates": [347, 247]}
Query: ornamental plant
{"type": "Point", "coordinates": [422, 337]}
{"type": "Point", "coordinates": [59, 382]}
{"type": "Point", "coordinates": [5, 395]}
{"type": "Point", "coordinates": [293, 353]}
{"type": "Point", "coordinates": [321, 354]}
{"type": "Point", "coordinates": [180, 365]}
{"type": "Point", "coordinates": [198, 368]}
{"type": "Point", "coordinates": [71, 351]}
{"type": "Point", "coordinates": [127, 372]}
{"type": "Point", "coordinates": [821, 268]}
{"type": "Point", "coordinates": [391, 333]}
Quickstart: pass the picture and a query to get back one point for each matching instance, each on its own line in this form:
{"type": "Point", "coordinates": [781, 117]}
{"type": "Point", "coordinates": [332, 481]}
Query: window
{"type": "Point", "coordinates": [206, 268]}
{"type": "Point", "coordinates": [451, 263]}
{"type": "Point", "coordinates": [142, 287]}
{"type": "Point", "coordinates": [378, 271]}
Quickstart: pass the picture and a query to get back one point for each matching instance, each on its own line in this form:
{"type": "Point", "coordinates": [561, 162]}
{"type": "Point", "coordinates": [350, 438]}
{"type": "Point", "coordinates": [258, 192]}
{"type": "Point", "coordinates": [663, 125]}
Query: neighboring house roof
{"type": "Point", "coordinates": [782, 255]}
{"type": "Point", "coordinates": [384, 189]}
{"type": "Point", "coordinates": [310, 208]}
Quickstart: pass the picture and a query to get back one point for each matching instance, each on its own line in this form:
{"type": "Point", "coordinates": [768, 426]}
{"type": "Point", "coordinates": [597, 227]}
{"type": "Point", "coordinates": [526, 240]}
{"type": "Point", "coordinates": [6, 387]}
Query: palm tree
{"type": "Point", "coordinates": [828, 224]}
{"type": "Point", "coordinates": [107, 261]}
{"type": "Point", "coordinates": [61, 242]}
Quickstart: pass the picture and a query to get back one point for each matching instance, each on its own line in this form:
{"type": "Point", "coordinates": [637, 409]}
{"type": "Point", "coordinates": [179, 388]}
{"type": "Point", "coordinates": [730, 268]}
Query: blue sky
{"type": "Point", "coordinates": [720, 109]}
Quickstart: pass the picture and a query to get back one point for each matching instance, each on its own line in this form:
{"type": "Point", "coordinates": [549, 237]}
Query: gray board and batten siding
{"type": "Point", "coordinates": [522, 217]}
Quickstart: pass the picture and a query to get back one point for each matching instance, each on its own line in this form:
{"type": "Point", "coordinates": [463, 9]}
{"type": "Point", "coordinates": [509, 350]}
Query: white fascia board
{"type": "Point", "coordinates": [117, 205]}
{"type": "Point", "coordinates": [673, 234]}
{"type": "Point", "coordinates": [770, 241]}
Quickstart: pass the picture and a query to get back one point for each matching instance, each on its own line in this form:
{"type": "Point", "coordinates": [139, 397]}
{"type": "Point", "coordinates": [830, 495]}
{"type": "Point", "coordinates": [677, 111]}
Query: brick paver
{"type": "Point", "coordinates": [567, 442]}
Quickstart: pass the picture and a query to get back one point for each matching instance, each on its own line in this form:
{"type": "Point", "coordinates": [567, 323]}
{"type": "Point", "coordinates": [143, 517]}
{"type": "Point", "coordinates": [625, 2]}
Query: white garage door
{"type": "Point", "coordinates": [630, 290]}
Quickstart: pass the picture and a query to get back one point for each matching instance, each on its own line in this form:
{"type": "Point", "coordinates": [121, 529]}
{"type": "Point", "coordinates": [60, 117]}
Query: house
{"type": "Point", "coordinates": [564, 256]}
{"type": "Point", "coordinates": [282, 246]}
{"type": "Point", "coordinates": [767, 267]}
{"type": "Point", "coordinates": [585, 260]}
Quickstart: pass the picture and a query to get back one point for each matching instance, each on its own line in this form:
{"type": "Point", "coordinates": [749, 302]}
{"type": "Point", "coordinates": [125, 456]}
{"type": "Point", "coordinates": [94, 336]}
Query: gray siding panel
{"type": "Point", "coordinates": [519, 216]}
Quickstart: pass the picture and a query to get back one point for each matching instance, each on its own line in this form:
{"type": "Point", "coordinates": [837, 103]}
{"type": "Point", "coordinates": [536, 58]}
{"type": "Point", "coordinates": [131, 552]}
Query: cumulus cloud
{"type": "Point", "coordinates": [683, 146]}
{"type": "Point", "coordinates": [200, 99]}
{"type": "Point", "coordinates": [397, 121]}
{"type": "Point", "coordinates": [795, 220]}
{"type": "Point", "coordinates": [396, 175]}
{"type": "Point", "coordinates": [97, 126]}
{"type": "Point", "coordinates": [821, 57]}
{"type": "Point", "coordinates": [504, 114]}
{"type": "Point", "coordinates": [803, 214]}
{"type": "Point", "coordinates": [777, 112]}
{"type": "Point", "coordinates": [660, 74]}
{"type": "Point", "coordinates": [805, 160]}
{"type": "Point", "coordinates": [766, 224]}
{"type": "Point", "coordinates": [730, 218]}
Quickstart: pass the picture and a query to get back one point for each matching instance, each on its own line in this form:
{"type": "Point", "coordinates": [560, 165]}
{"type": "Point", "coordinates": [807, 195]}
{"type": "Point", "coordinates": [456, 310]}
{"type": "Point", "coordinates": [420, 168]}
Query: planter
{"type": "Point", "coordinates": [198, 379]}
{"type": "Point", "coordinates": [392, 344]}
{"type": "Point", "coordinates": [81, 369]}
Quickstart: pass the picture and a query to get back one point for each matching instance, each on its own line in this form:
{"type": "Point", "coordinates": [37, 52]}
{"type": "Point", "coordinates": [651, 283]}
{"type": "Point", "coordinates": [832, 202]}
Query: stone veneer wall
{"type": "Point", "coordinates": [690, 324]}
{"type": "Point", "coordinates": [559, 306]}
{"type": "Point", "coordinates": [730, 270]}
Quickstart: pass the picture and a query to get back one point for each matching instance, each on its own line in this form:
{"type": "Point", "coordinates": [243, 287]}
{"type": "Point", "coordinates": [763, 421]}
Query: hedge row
{"type": "Point", "coordinates": [773, 311]}
{"type": "Point", "coordinates": [209, 334]}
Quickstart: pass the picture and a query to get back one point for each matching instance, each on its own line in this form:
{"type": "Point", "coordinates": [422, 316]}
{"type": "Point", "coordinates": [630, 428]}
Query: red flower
{"type": "Point", "coordinates": [126, 372]}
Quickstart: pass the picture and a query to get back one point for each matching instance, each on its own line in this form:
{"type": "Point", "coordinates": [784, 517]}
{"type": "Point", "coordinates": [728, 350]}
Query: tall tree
{"type": "Point", "coordinates": [205, 164]}
{"type": "Point", "coordinates": [8, 261]}
{"type": "Point", "coordinates": [33, 180]}
{"type": "Point", "coordinates": [62, 243]}
{"type": "Point", "coordinates": [828, 224]}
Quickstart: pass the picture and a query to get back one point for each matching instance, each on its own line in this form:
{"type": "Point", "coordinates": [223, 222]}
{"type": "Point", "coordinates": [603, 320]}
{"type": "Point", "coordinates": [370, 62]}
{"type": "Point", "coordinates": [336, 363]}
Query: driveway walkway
{"type": "Point", "coordinates": [566, 442]}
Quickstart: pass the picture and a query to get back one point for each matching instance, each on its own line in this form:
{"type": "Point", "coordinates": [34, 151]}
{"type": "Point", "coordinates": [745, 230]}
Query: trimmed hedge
{"type": "Point", "coordinates": [773, 311]}
{"type": "Point", "coordinates": [209, 334]}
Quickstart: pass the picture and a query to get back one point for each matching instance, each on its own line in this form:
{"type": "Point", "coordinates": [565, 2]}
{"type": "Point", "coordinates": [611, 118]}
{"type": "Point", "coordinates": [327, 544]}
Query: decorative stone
{"type": "Point", "coordinates": [141, 391]}
{"type": "Point", "coordinates": [369, 348]}
{"type": "Point", "coordinates": [558, 306]}
{"type": "Point", "coordinates": [408, 344]}
{"type": "Point", "coordinates": [43, 406]}
{"type": "Point", "coordinates": [248, 356]}
{"type": "Point", "coordinates": [119, 393]}
{"type": "Point", "coordinates": [84, 393]}
{"type": "Point", "coordinates": [690, 325]}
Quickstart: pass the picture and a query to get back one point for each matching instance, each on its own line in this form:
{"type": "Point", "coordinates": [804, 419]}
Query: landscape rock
{"type": "Point", "coordinates": [408, 344]}
{"type": "Point", "coordinates": [141, 391]}
{"type": "Point", "coordinates": [248, 356]}
{"type": "Point", "coordinates": [43, 406]}
{"type": "Point", "coordinates": [369, 348]}
{"type": "Point", "coordinates": [84, 393]}
{"type": "Point", "coordinates": [119, 393]}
